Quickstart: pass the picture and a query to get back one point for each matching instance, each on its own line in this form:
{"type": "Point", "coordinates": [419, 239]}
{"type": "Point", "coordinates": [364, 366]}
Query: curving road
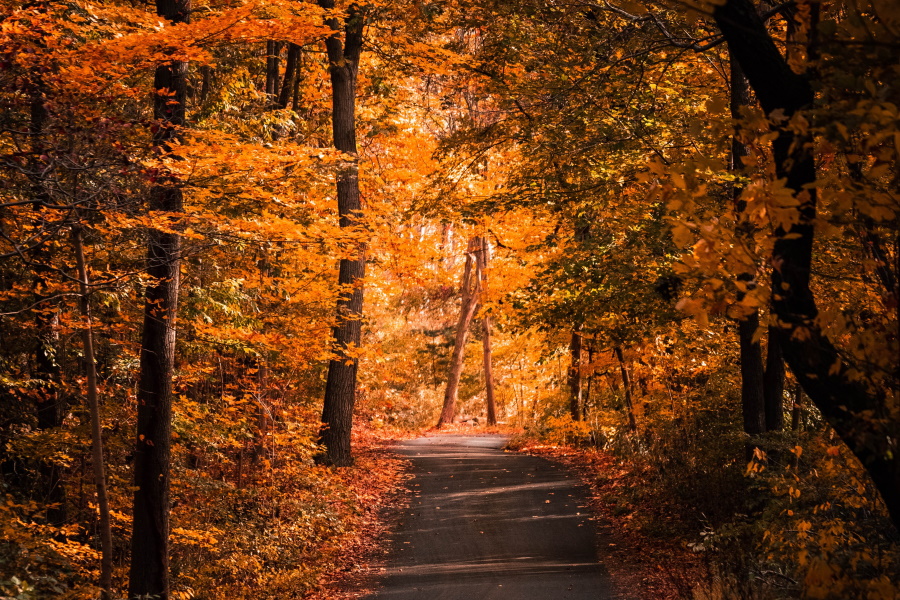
{"type": "Point", "coordinates": [485, 524]}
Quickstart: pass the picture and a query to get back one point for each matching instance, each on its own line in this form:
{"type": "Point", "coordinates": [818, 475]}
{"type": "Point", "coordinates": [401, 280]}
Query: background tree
{"type": "Point", "coordinates": [340, 387]}
{"type": "Point", "coordinates": [152, 456]}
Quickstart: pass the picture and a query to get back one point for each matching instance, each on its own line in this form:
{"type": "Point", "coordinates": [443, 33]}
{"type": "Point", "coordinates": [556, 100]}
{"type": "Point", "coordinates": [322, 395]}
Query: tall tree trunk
{"type": "Point", "coordinates": [87, 337]}
{"type": "Point", "coordinates": [484, 258]}
{"type": "Point", "coordinates": [340, 386]}
{"type": "Point", "coordinates": [773, 381]}
{"type": "Point", "coordinates": [858, 414]}
{"type": "Point", "coordinates": [626, 384]}
{"type": "Point", "coordinates": [575, 374]}
{"type": "Point", "coordinates": [469, 293]}
{"type": "Point", "coordinates": [149, 574]}
{"type": "Point", "coordinates": [752, 374]}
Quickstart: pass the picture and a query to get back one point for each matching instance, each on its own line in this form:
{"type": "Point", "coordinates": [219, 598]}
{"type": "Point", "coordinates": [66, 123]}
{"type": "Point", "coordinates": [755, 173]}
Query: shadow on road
{"type": "Point", "coordinates": [493, 525]}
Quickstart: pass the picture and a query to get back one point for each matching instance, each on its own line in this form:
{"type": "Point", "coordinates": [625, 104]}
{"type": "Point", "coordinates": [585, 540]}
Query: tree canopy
{"type": "Point", "coordinates": [238, 239]}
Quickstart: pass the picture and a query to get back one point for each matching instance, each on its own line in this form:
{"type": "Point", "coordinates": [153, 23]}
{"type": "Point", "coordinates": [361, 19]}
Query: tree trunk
{"type": "Point", "coordinates": [575, 374]}
{"type": "Point", "coordinates": [489, 372]}
{"type": "Point", "coordinates": [859, 415]}
{"type": "Point", "coordinates": [273, 69]}
{"type": "Point", "coordinates": [87, 337]}
{"type": "Point", "coordinates": [149, 574]}
{"type": "Point", "coordinates": [484, 257]}
{"type": "Point", "coordinates": [270, 57]}
{"type": "Point", "coordinates": [586, 404]}
{"type": "Point", "coordinates": [626, 384]}
{"type": "Point", "coordinates": [340, 386]}
{"type": "Point", "coordinates": [797, 408]}
{"type": "Point", "coordinates": [291, 75]}
{"type": "Point", "coordinates": [469, 293]}
{"type": "Point", "coordinates": [205, 82]}
{"type": "Point", "coordinates": [752, 374]}
{"type": "Point", "coordinates": [773, 383]}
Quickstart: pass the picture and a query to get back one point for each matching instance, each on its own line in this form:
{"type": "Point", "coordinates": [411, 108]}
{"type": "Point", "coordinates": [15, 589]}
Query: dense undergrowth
{"type": "Point", "coordinates": [240, 525]}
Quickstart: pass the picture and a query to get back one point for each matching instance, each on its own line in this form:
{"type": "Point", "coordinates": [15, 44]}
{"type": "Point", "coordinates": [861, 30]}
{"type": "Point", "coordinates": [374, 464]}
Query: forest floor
{"type": "Point", "coordinates": [378, 480]}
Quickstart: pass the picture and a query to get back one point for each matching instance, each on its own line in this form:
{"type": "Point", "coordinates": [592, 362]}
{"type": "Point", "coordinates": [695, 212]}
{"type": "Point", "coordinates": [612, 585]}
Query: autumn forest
{"type": "Point", "coordinates": [246, 246]}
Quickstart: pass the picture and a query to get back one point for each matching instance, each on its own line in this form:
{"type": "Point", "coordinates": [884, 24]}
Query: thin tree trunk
{"type": "Point", "coordinates": [752, 373]}
{"type": "Point", "coordinates": [276, 72]}
{"type": "Point", "coordinates": [590, 382]}
{"type": "Point", "coordinates": [469, 292]}
{"type": "Point", "coordinates": [626, 384]}
{"type": "Point", "coordinates": [149, 574]}
{"type": "Point", "coordinates": [484, 257]}
{"type": "Point", "coordinates": [773, 383]}
{"type": "Point", "coordinates": [340, 386]}
{"type": "Point", "coordinates": [87, 336]}
{"type": "Point", "coordinates": [858, 415]}
{"type": "Point", "coordinates": [295, 93]}
{"type": "Point", "coordinates": [489, 372]}
{"type": "Point", "coordinates": [205, 82]}
{"type": "Point", "coordinates": [575, 374]}
{"type": "Point", "coordinates": [797, 408]}
{"type": "Point", "coordinates": [291, 75]}
{"type": "Point", "coordinates": [273, 62]}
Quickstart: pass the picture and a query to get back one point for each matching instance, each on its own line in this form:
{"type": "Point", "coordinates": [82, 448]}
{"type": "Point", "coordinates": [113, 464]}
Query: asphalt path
{"type": "Point", "coordinates": [484, 524]}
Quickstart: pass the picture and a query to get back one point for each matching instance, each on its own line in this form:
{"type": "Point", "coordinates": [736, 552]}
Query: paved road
{"type": "Point", "coordinates": [485, 524]}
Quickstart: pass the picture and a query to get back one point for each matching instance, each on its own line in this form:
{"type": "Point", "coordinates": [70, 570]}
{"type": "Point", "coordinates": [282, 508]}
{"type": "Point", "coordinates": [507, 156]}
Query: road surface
{"type": "Point", "coordinates": [485, 524]}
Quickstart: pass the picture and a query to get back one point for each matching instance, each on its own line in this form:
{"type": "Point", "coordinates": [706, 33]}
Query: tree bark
{"type": "Point", "coordinates": [483, 259]}
{"type": "Point", "coordinates": [87, 337]}
{"type": "Point", "coordinates": [270, 58]}
{"type": "Point", "coordinates": [752, 374]}
{"type": "Point", "coordinates": [858, 414]}
{"type": "Point", "coordinates": [773, 383]}
{"type": "Point", "coordinates": [469, 293]}
{"type": "Point", "coordinates": [149, 574]}
{"type": "Point", "coordinates": [273, 69]}
{"type": "Point", "coordinates": [797, 408]}
{"type": "Point", "coordinates": [586, 399]}
{"type": "Point", "coordinates": [340, 386]}
{"type": "Point", "coordinates": [205, 82]}
{"type": "Point", "coordinates": [489, 372]}
{"type": "Point", "coordinates": [291, 75]}
{"type": "Point", "coordinates": [575, 374]}
{"type": "Point", "coordinates": [626, 384]}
